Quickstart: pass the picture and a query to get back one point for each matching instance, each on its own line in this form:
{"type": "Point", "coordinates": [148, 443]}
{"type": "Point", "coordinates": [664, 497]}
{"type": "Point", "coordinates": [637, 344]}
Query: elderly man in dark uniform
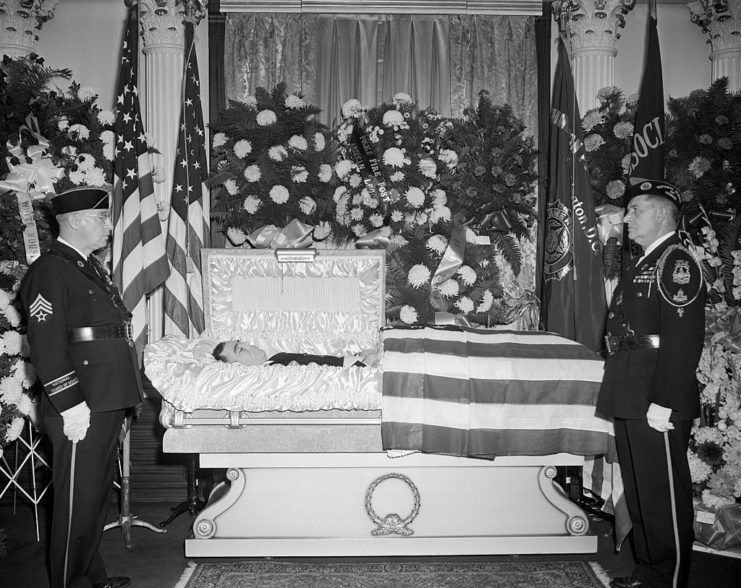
{"type": "Point", "coordinates": [79, 336]}
{"type": "Point", "coordinates": [655, 331]}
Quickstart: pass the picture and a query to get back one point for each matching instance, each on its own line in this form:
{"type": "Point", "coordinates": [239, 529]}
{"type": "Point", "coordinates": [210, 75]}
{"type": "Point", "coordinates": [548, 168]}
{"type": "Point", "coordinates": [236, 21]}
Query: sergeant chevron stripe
{"type": "Point", "coordinates": [188, 228]}
{"type": "Point", "coordinates": [41, 308]}
{"type": "Point", "coordinates": [139, 258]}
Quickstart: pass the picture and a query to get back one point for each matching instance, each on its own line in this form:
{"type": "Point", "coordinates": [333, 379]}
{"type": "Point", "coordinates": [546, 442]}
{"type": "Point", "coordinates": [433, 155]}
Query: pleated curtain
{"type": "Point", "coordinates": [442, 61]}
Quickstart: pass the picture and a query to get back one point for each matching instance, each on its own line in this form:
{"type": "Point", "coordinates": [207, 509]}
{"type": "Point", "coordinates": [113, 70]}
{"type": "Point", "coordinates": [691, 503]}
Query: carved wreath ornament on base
{"type": "Point", "coordinates": [392, 523]}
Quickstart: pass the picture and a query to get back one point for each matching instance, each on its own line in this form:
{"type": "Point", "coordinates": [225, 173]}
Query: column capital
{"type": "Point", "coordinates": [591, 24]}
{"type": "Point", "coordinates": [20, 23]}
{"type": "Point", "coordinates": [163, 21]}
{"type": "Point", "coordinates": [720, 19]}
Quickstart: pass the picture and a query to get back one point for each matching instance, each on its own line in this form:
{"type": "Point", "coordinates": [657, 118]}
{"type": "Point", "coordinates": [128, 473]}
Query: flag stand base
{"type": "Point", "coordinates": [125, 519]}
{"type": "Point", "coordinates": [193, 504]}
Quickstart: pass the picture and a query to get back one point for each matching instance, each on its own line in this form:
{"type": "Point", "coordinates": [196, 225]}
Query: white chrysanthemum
{"type": "Point", "coordinates": [699, 166]}
{"type": "Point", "coordinates": [352, 108]}
{"type": "Point", "coordinates": [342, 168]}
{"type": "Point", "coordinates": [486, 301]}
{"type": "Point", "coordinates": [307, 205]}
{"type": "Point", "coordinates": [357, 199]}
{"type": "Point", "coordinates": [593, 142]}
{"type": "Point", "coordinates": [467, 274]}
{"type": "Point", "coordinates": [322, 231]}
{"type": "Point", "coordinates": [80, 130]}
{"type": "Point", "coordinates": [277, 153]}
{"type": "Point", "coordinates": [95, 177]}
{"type": "Point", "coordinates": [397, 176]}
{"type": "Point", "coordinates": [591, 120]}
{"type": "Point", "coordinates": [338, 193]}
{"type": "Point", "coordinates": [299, 174]}
{"type": "Point", "coordinates": [109, 151]}
{"type": "Point", "coordinates": [376, 220]}
{"type": "Point", "coordinates": [279, 194]}
{"type": "Point", "coordinates": [418, 275]}
{"type": "Point", "coordinates": [325, 172]}
{"type": "Point", "coordinates": [236, 235]}
{"type": "Point", "coordinates": [359, 230]}
{"type": "Point", "coordinates": [15, 429]}
{"type": "Point", "coordinates": [63, 123]}
{"type": "Point", "coordinates": [249, 100]}
{"type": "Point", "coordinates": [392, 118]}
{"type": "Point", "coordinates": [394, 157]}
{"type": "Point", "coordinates": [714, 501]}
{"type": "Point", "coordinates": [448, 157]}
{"type": "Point", "coordinates": [294, 101]}
{"type": "Point", "coordinates": [464, 304]}
{"type": "Point", "coordinates": [408, 314]}
{"type": "Point", "coordinates": [439, 197]}
{"type": "Point", "coordinates": [219, 140]}
{"type": "Point", "coordinates": [266, 118]}
{"type": "Point", "coordinates": [355, 180]}
{"type": "Point", "coordinates": [252, 173]}
{"type": "Point", "coordinates": [415, 197]}
{"type": "Point", "coordinates": [5, 298]}
{"type": "Point", "coordinates": [251, 204]}
{"type": "Point", "coordinates": [231, 186]}
{"type": "Point", "coordinates": [86, 93]}
{"type": "Point", "coordinates": [108, 137]}
{"type": "Point", "coordinates": [106, 117]}
{"type": "Point", "coordinates": [356, 214]}
{"type": "Point", "coordinates": [450, 288]}
{"type": "Point", "coordinates": [319, 142]}
{"type": "Point", "coordinates": [25, 405]}
{"type": "Point", "coordinates": [242, 148]}
{"type": "Point", "coordinates": [397, 216]}
{"type": "Point", "coordinates": [298, 143]}
{"type": "Point", "coordinates": [623, 130]}
{"type": "Point", "coordinates": [440, 213]}
{"type": "Point", "coordinates": [699, 470]}
{"type": "Point", "coordinates": [11, 391]}
{"type": "Point", "coordinates": [76, 177]}
{"type": "Point", "coordinates": [427, 167]}
{"type": "Point", "coordinates": [29, 375]}
{"type": "Point", "coordinates": [437, 243]}
{"type": "Point", "coordinates": [422, 218]}
{"type": "Point", "coordinates": [615, 189]}
{"type": "Point", "coordinates": [401, 99]}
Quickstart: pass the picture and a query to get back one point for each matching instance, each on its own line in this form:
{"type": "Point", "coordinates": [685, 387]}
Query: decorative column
{"type": "Point", "coordinates": [163, 31]}
{"type": "Point", "coordinates": [20, 23]}
{"type": "Point", "coordinates": [721, 21]}
{"type": "Point", "coordinates": [591, 29]}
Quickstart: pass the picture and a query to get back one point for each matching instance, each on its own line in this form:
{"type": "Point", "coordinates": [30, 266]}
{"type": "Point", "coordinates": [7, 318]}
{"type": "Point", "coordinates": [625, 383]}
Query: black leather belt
{"type": "Point", "coordinates": [80, 334]}
{"type": "Point", "coordinates": [630, 342]}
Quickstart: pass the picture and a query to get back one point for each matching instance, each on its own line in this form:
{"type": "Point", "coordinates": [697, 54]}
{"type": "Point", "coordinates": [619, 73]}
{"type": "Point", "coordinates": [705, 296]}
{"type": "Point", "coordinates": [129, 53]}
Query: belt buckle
{"type": "Point", "coordinates": [129, 331]}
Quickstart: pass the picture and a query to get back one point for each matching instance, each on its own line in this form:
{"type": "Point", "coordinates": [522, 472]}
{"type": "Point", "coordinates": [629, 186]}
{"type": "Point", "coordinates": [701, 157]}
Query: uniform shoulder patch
{"type": "Point", "coordinates": [41, 308]}
{"type": "Point", "coordinates": [679, 276]}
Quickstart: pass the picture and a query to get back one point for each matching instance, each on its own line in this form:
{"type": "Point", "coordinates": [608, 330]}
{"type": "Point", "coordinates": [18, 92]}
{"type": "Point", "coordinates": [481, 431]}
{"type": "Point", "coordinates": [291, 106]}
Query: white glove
{"type": "Point", "coordinates": [658, 418]}
{"type": "Point", "coordinates": [76, 422]}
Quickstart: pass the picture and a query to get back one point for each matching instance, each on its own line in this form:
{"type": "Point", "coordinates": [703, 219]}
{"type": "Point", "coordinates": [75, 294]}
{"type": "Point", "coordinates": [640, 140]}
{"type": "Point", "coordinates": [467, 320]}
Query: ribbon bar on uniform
{"type": "Point", "coordinates": [630, 342]}
{"type": "Point", "coordinates": [82, 334]}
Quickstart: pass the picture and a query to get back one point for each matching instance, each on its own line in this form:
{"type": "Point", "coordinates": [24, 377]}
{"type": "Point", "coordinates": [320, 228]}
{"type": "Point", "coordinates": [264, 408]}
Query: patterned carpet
{"type": "Point", "coordinates": [548, 574]}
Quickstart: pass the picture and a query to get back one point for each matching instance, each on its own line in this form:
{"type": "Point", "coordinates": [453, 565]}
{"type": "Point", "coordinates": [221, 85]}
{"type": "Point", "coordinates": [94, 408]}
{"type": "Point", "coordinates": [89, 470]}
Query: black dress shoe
{"type": "Point", "coordinates": [626, 582]}
{"type": "Point", "coordinates": [114, 582]}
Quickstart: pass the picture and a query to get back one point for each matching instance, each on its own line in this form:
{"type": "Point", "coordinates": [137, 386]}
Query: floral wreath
{"type": "Point", "coordinates": [271, 166]}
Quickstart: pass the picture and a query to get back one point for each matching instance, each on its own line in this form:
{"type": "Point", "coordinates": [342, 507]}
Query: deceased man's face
{"type": "Point", "coordinates": [236, 351]}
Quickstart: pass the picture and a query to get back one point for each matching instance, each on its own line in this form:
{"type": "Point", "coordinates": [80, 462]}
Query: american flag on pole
{"type": "Point", "coordinates": [188, 229]}
{"type": "Point", "coordinates": [139, 258]}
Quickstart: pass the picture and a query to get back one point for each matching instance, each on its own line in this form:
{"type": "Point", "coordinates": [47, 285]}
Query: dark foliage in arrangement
{"type": "Point", "coordinates": [270, 164]}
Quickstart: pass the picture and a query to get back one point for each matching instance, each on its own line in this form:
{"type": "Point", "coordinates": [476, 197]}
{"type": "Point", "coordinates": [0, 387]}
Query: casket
{"type": "Point", "coordinates": [307, 472]}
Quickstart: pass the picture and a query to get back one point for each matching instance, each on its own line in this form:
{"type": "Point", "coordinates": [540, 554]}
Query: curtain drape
{"type": "Point", "coordinates": [443, 62]}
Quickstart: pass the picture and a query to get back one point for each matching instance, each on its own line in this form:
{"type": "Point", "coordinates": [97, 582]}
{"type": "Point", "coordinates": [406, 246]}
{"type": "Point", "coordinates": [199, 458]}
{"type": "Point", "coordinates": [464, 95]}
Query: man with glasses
{"type": "Point", "coordinates": [80, 342]}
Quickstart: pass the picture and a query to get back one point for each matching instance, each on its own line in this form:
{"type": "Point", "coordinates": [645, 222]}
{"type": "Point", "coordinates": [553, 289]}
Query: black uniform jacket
{"type": "Point", "coordinates": [663, 295]}
{"type": "Point", "coordinates": [61, 291]}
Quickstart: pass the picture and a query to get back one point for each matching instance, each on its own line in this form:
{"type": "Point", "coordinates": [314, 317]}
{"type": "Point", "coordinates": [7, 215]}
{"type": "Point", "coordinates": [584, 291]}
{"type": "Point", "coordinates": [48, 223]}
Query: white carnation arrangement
{"type": "Point", "coordinates": [17, 375]}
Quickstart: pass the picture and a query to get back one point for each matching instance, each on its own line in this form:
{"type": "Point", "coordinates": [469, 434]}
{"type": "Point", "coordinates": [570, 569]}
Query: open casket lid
{"type": "Point", "coordinates": [331, 305]}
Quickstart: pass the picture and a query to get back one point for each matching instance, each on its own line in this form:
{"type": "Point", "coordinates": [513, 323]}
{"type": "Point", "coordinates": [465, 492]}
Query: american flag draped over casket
{"type": "Point", "coordinates": [483, 393]}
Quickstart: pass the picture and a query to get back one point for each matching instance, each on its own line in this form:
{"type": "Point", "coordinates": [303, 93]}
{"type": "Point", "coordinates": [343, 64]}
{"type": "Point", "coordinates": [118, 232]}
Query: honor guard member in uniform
{"type": "Point", "coordinates": [655, 330]}
{"type": "Point", "coordinates": [80, 341]}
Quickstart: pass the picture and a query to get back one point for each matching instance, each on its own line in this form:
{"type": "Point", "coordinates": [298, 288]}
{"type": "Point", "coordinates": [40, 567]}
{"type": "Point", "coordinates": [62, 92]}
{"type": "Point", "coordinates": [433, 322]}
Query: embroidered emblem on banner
{"type": "Point", "coordinates": [558, 258]}
{"type": "Point", "coordinates": [41, 308]}
{"type": "Point", "coordinates": [681, 273]}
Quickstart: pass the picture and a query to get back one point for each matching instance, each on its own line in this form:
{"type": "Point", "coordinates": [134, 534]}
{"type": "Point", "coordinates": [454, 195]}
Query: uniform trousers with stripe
{"type": "Point", "coordinates": [76, 535]}
{"type": "Point", "coordinates": [658, 493]}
